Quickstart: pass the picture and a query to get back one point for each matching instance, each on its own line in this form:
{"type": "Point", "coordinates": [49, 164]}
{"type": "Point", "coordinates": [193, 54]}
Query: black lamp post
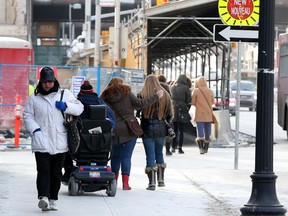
{"type": "Point", "coordinates": [263, 200]}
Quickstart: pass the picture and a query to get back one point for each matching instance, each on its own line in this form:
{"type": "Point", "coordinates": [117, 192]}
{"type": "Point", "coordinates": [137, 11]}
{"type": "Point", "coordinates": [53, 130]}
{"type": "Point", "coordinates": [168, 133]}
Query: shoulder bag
{"type": "Point", "coordinates": [74, 127]}
{"type": "Point", "coordinates": [133, 125]}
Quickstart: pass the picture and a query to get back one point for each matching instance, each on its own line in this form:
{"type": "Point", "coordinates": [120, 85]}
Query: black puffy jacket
{"type": "Point", "coordinates": [153, 128]}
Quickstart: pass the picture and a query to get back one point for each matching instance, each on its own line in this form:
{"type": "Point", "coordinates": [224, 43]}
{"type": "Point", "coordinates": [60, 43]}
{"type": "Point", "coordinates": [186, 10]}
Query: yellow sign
{"type": "Point", "coordinates": [239, 12]}
{"type": "Point", "coordinates": [160, 2]}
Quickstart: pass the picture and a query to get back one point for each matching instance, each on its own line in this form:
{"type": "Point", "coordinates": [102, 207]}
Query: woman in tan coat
{"type": "Point", "coordinates": [202, 99]}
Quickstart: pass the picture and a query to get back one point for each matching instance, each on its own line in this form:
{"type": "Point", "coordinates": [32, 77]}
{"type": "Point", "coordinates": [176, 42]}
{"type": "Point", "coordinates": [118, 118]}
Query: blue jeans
{"type": "Point", "coordinates": [121, 157]}
{"type": "Point", "coordinates": [204, 130]}
{"type": "Point", "coordinates": [153, 150]}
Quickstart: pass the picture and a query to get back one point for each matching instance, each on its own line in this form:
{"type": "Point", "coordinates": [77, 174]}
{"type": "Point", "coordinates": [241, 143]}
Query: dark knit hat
{"type": "Point", "coordinates": [86, 87]}
{"type": "Point", "coordinates": [47, 74]}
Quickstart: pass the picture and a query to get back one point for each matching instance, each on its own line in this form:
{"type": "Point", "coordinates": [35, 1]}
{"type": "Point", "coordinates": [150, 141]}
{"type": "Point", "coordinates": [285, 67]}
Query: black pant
{"type": "Point", "coordinates": [49, 173]}
{"type": "Point", "coordinates": [179, 129]}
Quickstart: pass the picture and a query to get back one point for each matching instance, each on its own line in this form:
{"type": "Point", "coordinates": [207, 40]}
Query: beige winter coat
{"type": "Point", "coordinates": [203, 111]}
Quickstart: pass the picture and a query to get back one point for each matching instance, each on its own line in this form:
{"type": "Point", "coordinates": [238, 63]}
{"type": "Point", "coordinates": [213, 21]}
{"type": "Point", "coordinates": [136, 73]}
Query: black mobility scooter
{"type": "Point", "coordinates": [91, 172]}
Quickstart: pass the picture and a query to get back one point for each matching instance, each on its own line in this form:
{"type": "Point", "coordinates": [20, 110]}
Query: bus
{"type": "Point", "coordinates": [16, 56]}
{"type": "Point", "coordinates": [282, 87]}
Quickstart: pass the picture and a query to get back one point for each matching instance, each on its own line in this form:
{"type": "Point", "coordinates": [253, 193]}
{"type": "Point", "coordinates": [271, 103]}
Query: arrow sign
{"type": "Point", "coordinates": [227, 33]}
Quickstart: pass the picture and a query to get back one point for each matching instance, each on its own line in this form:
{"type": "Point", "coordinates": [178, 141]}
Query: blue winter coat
{"type": "Point", "coordinates": [93, 99]}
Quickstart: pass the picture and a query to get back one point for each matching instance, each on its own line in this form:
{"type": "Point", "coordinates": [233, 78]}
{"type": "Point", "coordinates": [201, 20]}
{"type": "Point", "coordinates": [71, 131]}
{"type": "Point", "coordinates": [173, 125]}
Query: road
{"type": "Point", "coordinates": [247, 125]}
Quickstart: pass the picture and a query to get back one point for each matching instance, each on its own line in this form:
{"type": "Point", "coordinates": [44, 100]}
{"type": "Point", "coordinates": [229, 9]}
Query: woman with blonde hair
{"type": "Point", "coordinates": [153, 124]}
{"type": "Point", "coordinates": [123, 102]}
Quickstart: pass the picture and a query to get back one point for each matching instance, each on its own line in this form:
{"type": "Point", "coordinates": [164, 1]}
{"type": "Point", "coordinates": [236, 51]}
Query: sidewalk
{"type": "Point", "coordinates": [197, 185]}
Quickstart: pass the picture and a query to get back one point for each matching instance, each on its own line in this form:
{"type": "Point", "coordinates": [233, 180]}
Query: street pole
{"type": "Point", "coordinates": [263, 200]}
{"type": "Point", "coordinates": [70, 25]}
{"type": "Point", "coordinates": [117, 28]}
{"type": "Point", "coordinates": [87, 28]}
{"type": "Point", "coordinates": [74, 6]}
{"type": "Point", "coordinates": [97, 33]}
{"type": "Point", "coordinates": [143, 36]}
{"type": "Point", "coordinates": [237, 122]}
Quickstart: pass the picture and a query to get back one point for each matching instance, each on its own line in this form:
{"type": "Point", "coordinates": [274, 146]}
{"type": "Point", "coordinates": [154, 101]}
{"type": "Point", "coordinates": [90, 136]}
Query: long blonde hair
{"type": "Point", "coordinates": [163, 106]}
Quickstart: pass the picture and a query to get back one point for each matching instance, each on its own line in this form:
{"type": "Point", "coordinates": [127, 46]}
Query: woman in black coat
{"type": "Point", "coordinates": [181, 97]}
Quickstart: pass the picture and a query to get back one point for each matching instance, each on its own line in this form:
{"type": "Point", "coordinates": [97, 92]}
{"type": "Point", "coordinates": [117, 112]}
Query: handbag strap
{"type": "Point", "coordinates": [116, 111]}
{"type": "Point", "coordinates": [206, 100]}
{"type": "Point", "coordinates": [205, 97]}
{"type": "Point", "coordinates": [61, 97]}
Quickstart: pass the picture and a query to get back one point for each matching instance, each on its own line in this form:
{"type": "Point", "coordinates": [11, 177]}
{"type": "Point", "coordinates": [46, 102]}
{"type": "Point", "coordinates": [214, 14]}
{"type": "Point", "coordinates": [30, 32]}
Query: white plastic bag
{"type": "Point", "coordinates": [192, 114]}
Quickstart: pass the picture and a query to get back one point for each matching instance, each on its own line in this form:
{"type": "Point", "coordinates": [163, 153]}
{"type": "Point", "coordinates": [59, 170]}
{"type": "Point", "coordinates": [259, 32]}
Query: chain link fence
{"type": "Point", "coordinates": [15, 81]}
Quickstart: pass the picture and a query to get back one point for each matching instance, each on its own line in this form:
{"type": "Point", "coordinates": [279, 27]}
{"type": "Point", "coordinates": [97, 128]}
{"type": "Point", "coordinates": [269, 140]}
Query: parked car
{"type": "Point", "coordinates": [248, 94]}
{"type": "Point", "coordinates": [229, 101]}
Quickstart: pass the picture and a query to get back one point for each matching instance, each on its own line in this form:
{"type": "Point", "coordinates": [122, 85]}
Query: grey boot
{"type": "Point", "coordinates": [151, 173]}
{"type": "Point", "coordinates": [160, 174]}
{"type": "Point", "coordinates": [200, 142]}
{"type": "Point", "coordinates": [206, 145]}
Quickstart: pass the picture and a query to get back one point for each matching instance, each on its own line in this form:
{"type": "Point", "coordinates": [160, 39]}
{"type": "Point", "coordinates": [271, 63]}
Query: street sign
{"type": "Point", "coordinates": [225, 33]}
{"type": "Point", "coordinates": [239, 12]}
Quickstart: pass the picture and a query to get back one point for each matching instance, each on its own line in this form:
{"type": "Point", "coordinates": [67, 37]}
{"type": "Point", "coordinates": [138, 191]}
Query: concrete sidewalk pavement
{"type": "Point", "coordinates": [200, 185]}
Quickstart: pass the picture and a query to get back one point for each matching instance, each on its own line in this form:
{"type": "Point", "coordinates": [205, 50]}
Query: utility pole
{"type": "Point", "coordinates": [143, 35]}
{"type": "Point", "coordinates": [97, 33]}
{"type": "Point", "coordinates": [263, 200]}
{"type": "Point", "coordinates": [87, 27]}
{"type": "Point", "coordinates": [117, 29]}
{"type": "Point", "coordinates": [87, 24]}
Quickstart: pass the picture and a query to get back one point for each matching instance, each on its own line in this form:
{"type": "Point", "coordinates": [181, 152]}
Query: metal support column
{"type": "Point", "coordinates": [263, 200]}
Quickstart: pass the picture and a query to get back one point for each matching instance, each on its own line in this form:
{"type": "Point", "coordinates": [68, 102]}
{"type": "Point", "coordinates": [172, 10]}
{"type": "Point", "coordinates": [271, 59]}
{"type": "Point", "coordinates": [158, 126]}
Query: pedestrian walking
{"type": "Point", "coordinates": [181, 98]}
{"type": "Point", "coordinates": [168, 140]}
{"type": "Point", "coordinates": [43, 119]}
{"type": "Point", "coordinates": [123, 102]}
{"type": "Point", "coordinates": [202, 99]}
{"type": "Point", "coordinates": [153, 123]}
{"type": "Point", "coordinates": [87, 97]}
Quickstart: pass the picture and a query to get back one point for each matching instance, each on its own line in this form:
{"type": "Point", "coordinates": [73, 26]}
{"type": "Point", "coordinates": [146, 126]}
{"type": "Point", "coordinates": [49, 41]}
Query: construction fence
{"type": "Point", "coordinates": [15, 81]}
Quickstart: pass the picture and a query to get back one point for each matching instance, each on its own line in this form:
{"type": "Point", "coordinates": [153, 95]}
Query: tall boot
{"type": "Point", "coordinates": [160, 174]}
{"type": "Point", "coordinates": [167, 146]}
{"type": "Point", "coordinates": [125, 181]}
{"type": "Point", "coordinates": [206, 145]}
{"type": "Point", "coordinates": [200, 142]}
{"type": "Point", "coordinates": [151, 173]}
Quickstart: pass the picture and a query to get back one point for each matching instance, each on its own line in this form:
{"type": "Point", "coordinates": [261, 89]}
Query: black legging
{"type": "Point", "coordinates": [179, 129]}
